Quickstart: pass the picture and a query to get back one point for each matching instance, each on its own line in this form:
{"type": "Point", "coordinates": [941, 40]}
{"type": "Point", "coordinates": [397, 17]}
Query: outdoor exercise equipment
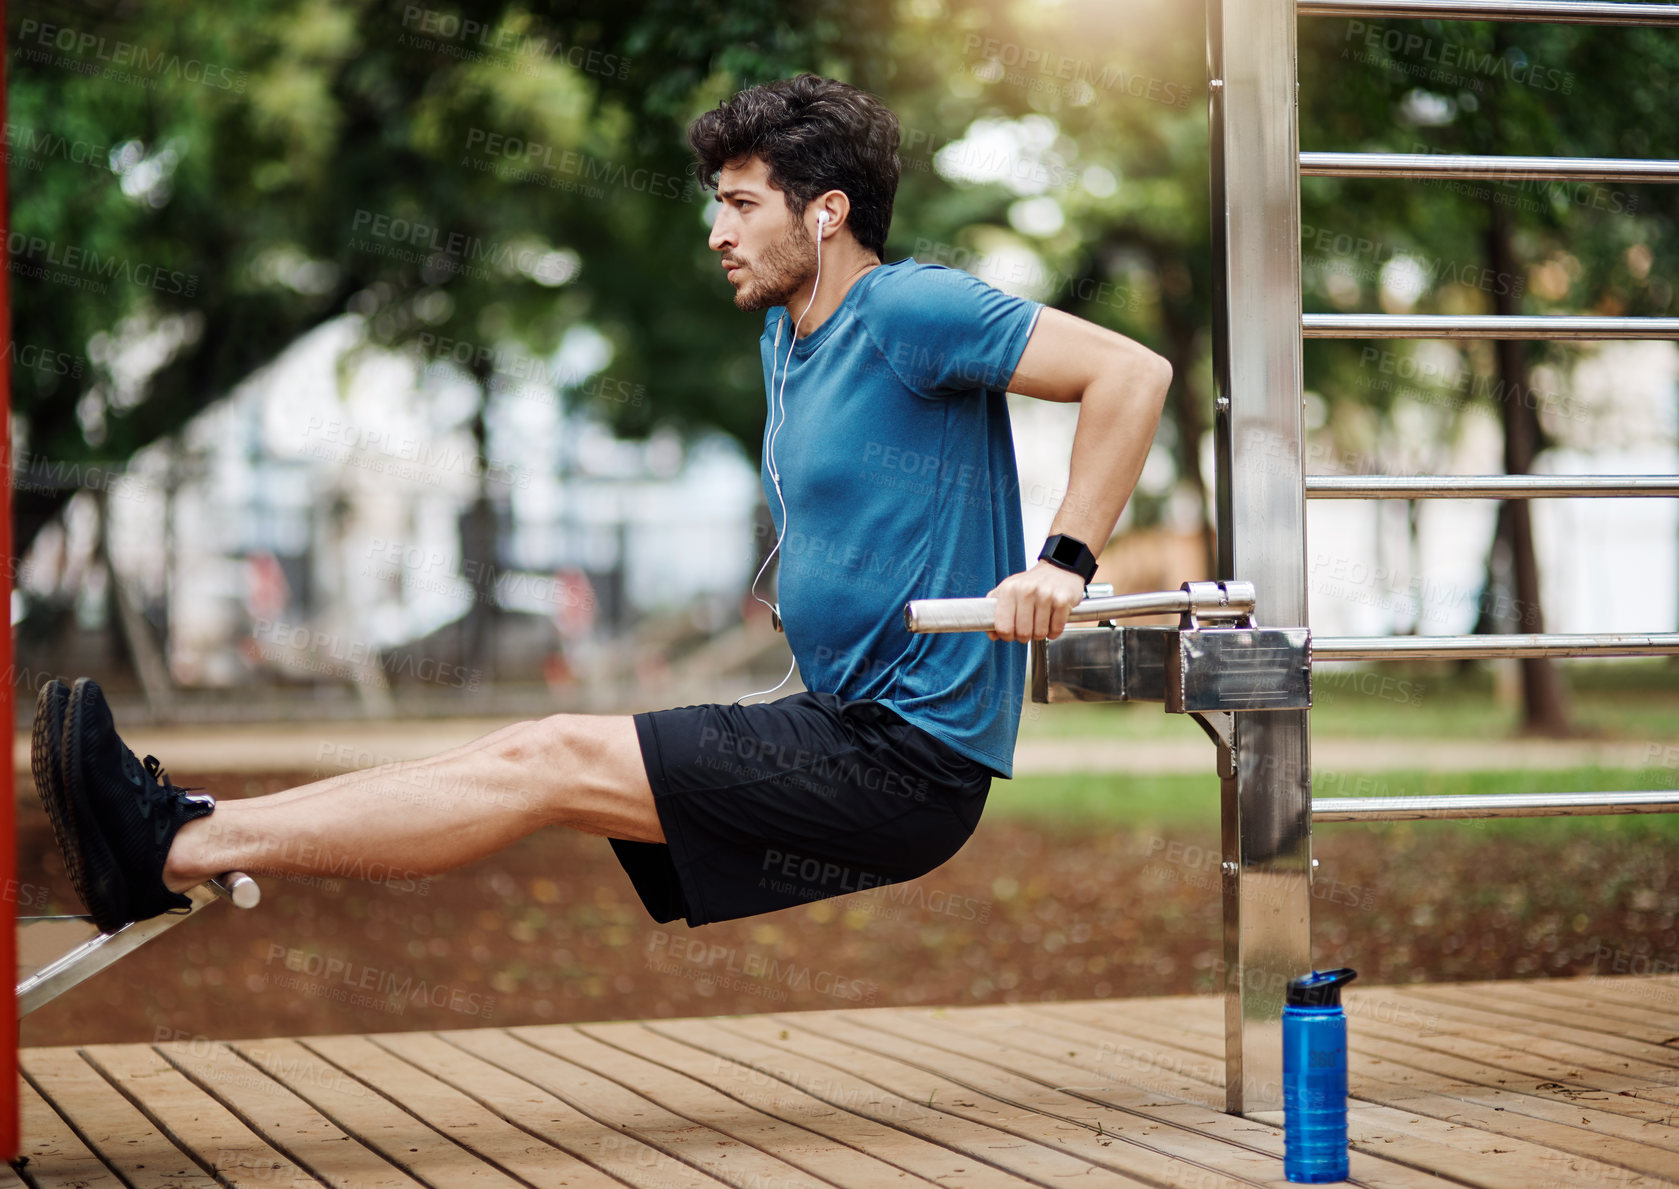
{"type": "Point", "coordinates": [57, 952]}
{"type": "Point", "coordinates": [1261, 489]}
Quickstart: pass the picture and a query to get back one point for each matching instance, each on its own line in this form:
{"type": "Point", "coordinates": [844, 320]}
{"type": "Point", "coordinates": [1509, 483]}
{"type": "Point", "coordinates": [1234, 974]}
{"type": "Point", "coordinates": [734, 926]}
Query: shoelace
{"type": "Point", "coordinates": [159, 792]}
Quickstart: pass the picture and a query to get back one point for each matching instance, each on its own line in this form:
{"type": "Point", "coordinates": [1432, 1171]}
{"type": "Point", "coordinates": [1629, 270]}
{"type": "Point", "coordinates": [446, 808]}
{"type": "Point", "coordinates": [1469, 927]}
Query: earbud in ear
{"type": "Point", "coordinates": [821, 218]}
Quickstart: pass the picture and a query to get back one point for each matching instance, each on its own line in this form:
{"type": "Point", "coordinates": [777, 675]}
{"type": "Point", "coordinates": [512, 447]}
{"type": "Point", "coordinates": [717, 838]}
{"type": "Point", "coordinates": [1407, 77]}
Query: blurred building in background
{"type": "Point", "coordinates": [351, 516]}
{"type": "Point", "coordinates": [381, 535]}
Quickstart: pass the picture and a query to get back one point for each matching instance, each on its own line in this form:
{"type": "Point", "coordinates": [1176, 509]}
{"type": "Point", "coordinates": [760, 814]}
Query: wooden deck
{"type": "Point", "coordinates": [1525, 1085]}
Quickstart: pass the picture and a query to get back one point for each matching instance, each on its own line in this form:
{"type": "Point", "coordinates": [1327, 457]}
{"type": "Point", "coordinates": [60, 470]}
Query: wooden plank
{"type": "Point", "coordinates": [193, 1120]}
{"type": "Point", "coordinates": [990, 1098]}
{"type": "Point", "coordinates": [846, 1108]}
{"type": "Point", "coordinates": [549, 1118]}
{"type": "Point", "coordinates": [1577, 995]}
{"type": "Point", "coordinates": [1504, 1064]}
{"type": "Point", "coordinates": [1462, 1016]}
{"type": "Point", "coordinates": [642, 1061]}
{"type": "Point", "coordinates": [1491, 1065]}
{"type": "Point", "coordinates": [1618, 1084]}
{"type": "Point", "coordinates": [458, 1115]}
{"type": "Point", "coordinates": [1652, 992]}
{"type": "Point", "coordinates": [1522, 1001]}
{"type": "Point", "coordinates": [720, 1156]}
{"type": "Point", "coordinates": [307, 1137]}
{"type": "Point", "coordinates": [1091, 1065]}
{"type": "Point", "coordinates": [109, 1124]}
{"type": "Point", "coordinates": [407, 1141]}
{"type": "Point", "coordinates": [1385, 1073]}
{"type": "Point", "coordinates": [1546, 1084]}
{"type": "Point", "coordinates": [1439, 1144]}
{"type": "Point", "coordinates": [998, 1053]}
{"type": "Point", "coordinates": [810, 1067]}
{"type": "Point", "coordinates": [56, 1157]}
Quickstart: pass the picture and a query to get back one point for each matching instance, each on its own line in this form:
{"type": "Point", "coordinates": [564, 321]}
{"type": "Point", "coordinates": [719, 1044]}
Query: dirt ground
{"type": "Point", "coordinates": [550, 930]}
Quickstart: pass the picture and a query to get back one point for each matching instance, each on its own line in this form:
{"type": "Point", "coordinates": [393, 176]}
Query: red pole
{"type": "Point", "coordinates": [8, 688]}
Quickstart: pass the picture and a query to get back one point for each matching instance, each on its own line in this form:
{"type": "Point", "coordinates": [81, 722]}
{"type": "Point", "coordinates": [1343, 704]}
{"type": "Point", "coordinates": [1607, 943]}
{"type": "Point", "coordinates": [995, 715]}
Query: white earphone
{"type": "Point", "coordinates": [780, 404]}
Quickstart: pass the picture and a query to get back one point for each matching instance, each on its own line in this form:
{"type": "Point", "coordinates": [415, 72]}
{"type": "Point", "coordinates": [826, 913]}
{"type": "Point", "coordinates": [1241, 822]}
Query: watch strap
{"type": "Point", "coordinates": [1070, 554]}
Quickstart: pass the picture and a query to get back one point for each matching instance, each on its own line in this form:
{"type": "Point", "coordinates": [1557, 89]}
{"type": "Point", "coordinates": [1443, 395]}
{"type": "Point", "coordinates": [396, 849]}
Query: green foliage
{"type": "Point", "coordinates": [561, 131]}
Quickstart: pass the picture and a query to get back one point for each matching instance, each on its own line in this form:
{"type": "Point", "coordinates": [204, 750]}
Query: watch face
{"type": "Point", "coordinates": [1071, 555]}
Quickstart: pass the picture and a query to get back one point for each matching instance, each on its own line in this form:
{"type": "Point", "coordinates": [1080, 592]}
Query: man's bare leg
{"type": "Point", "coordinates": [421, 817]}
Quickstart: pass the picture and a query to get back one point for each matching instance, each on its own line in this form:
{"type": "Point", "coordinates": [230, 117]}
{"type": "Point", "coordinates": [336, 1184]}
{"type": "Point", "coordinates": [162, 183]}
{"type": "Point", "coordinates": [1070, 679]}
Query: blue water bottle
{"type": "Point", "coordinates": [1315, 1078]}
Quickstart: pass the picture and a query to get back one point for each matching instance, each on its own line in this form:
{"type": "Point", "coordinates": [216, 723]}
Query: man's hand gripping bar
{"type": "Point", "coordinates": [1199, 600]}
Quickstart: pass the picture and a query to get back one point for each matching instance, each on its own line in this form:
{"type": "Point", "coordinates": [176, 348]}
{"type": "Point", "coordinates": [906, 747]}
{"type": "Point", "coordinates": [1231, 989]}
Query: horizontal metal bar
{"type": "Point", "coordinates": [1490, 805]}
{"type": "Point", "coordinates": [978, 615]}
{"type": "Point", "coordinates": [1440, 648]}
{"type": "Point", "coordinates": [1562, 12]}
{"type": "Point", "coordinates": [1496, 169]}
{"type": "Point", "coordinates": [1487, 487]}
{"type": "Point", "coordinates": [100, 951]}
{"type": "Point", "coordinates": [1484, 326]}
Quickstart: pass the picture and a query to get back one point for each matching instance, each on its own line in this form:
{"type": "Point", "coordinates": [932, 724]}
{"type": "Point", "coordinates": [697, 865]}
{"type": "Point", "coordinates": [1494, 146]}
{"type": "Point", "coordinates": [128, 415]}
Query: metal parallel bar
{"type": "Point", "coordinates": [1259, 434]}
{"type": "Point", "coordinates": [1459, 648]}
{"type": "Point", "coordinates": [978, 615]}
{"type": "Point", "coordinates": [1496, 169]}
{"type": "Point", "coordinates": [1484, 326]}
{"type": "Point", "coordinates": [1487, 487]}
{"type": "Point", "coordinates": [1234, 601]}
{"type": "Point", "coordinates": [1490, 805]}
{"type": "Point", "coordinates": [98, 952]}
{"type": "Point", "coordinates": [1562, 12]}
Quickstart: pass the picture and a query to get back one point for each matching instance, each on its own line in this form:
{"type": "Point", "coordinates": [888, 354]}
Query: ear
{"type": "Point", "coordinates": [834, 211]}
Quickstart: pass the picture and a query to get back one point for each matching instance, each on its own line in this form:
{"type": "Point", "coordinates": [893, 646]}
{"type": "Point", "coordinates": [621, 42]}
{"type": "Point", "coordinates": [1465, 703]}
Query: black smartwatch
{"type": "Point", "coordinates": [1071, 555]}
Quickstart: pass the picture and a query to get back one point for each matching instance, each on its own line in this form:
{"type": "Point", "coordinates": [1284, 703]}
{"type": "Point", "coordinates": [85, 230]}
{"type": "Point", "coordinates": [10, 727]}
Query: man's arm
{"type": "Point", "coordinates": [1121, 386]}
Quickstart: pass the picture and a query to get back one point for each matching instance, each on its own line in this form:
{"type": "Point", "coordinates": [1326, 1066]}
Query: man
{"type": "Point", "coordinates": [890, 472]}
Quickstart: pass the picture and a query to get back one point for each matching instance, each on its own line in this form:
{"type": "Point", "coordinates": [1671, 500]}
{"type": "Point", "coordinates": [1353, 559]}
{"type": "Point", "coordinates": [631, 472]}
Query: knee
{"type": "Point", "coordinates": [520, 745]}
{"type": "Point", "coordinates": [561, 745]}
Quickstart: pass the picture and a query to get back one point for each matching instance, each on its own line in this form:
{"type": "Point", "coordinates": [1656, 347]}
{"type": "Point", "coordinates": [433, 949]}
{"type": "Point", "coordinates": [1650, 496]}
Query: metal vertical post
{"type": "Point", "coordinates": [1251, 59]}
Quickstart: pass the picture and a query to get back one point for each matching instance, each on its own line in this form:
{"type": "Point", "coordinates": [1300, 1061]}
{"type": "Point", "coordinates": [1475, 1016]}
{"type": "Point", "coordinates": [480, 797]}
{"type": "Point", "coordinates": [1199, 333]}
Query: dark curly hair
{"type": "Point", "coordinates": [815, 134]}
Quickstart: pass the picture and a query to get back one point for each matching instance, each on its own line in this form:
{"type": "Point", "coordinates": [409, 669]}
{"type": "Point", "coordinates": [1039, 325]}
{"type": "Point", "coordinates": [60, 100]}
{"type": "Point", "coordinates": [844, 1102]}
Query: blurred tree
{"type": "Point", "coordinates": [225, 217]}
{"type": "Point", "coordinates": [476, 179]}
{"type": "Point", "coordinates": [466, 178]}
{"type": "Point", "coordinates": [470, 177]}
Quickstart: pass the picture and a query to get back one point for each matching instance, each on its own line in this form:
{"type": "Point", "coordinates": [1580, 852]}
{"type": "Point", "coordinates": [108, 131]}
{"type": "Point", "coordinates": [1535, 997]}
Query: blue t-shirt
{"type": "Point", "coordinates": [897, 469]}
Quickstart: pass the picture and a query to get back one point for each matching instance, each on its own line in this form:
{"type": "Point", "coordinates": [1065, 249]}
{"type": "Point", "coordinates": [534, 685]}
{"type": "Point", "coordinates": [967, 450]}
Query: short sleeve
{"type": "Point", "coordinates": [945, 332]}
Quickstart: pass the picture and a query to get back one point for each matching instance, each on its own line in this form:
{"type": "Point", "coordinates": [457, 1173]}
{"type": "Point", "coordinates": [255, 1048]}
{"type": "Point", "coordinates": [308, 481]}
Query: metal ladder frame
{"type": "Point", "coordinates": [1262, 488]}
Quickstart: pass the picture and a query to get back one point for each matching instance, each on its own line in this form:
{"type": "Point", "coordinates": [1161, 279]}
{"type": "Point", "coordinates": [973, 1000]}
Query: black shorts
{"type": "Point", "coordinates": [780, 803]}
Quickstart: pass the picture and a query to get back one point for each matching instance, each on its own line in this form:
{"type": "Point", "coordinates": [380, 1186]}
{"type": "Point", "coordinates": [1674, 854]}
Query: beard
{"type": "Point", "coordinates": [778, 273]}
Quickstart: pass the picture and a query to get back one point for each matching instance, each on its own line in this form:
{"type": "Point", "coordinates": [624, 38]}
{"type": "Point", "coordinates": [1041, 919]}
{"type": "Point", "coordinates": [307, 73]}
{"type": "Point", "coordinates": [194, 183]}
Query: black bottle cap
{"type": "Point", "coordinates": [1321, 988]}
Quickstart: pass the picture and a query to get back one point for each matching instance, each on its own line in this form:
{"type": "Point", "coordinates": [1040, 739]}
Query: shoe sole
{"type": "Point", "coordinates": [84, 839]}
{"type": "Point", "coordinates": [46, 757]}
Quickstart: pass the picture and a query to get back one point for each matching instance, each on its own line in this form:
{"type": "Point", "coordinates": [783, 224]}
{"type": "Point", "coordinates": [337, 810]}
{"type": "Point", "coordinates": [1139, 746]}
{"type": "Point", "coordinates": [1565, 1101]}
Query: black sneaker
{"type": "Point", "coordinates": [116, 816]}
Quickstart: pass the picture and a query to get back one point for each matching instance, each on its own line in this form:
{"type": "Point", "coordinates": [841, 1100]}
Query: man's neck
{"type": "Point", "coordinates": [836, 283]}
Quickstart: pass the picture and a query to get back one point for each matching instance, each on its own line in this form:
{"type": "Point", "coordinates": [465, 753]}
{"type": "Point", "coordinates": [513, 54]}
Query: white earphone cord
{"type": "Point", "coordinates": [778, 402]}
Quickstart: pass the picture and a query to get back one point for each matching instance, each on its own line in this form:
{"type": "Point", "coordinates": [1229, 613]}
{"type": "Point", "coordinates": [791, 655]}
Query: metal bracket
{"type": "Point", "coordinates": [1192, 670]}
{"type": "Point", "coordinates": [1220, 727]}
{"type": "Point", "coordinates": [1238, 668]}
